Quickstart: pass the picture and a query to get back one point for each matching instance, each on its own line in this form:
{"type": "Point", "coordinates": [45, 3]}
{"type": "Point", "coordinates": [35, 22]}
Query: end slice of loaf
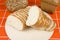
{"type": "Point", "coordinates": [14, 22]}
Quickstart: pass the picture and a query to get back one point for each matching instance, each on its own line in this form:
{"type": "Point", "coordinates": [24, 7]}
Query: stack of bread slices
{"type": "Point", "coordinates": [31, 16]}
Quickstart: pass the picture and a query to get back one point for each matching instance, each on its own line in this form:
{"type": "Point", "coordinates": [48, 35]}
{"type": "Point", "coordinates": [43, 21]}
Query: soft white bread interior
{"type": "Point", "coordinates": [33, 15]}
{"type": "Point", "coordinates": [14, 22]}
{"type": "Point", "coordinates": [39, 19]}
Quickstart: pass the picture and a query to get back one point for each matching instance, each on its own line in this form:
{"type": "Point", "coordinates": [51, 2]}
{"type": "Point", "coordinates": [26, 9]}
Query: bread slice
{"type": "Point", "coordinates": [33, 15]}
{"type": "Point", "coordinates": [13, 5]}
{"type": "Point", "coordinates": [52, 2]}
{"type": "Point", "coordinates": [39, 20]}
{"type": "Point", "coordinates": [18, 19]}
{"type": "Point", "coordinates": [49, 5]}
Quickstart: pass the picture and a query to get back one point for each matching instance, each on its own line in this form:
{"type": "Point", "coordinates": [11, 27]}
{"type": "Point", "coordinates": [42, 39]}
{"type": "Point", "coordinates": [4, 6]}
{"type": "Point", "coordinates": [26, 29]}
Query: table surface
{"type": "Point", "coordinates": [4, 13]}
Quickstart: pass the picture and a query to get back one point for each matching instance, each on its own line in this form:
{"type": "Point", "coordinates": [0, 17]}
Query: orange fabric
{"type": "Point", "coordinates": [3, 11]}
{"type": "Point", "coordinates": [34, 2]}
{"type": "Point", "coordinates": [56, 18]}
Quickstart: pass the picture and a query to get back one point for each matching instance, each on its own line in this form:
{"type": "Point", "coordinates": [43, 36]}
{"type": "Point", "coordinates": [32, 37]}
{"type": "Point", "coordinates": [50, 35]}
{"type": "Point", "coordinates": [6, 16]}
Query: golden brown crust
{"type": "Point", "coordinates": [43, 23]}
{"type": "Point", "coordinates": [14, 5]}
{"type": "Point", "coordinates": [52, 2]}
{"type": "Point", "coordinates": [48, 7]}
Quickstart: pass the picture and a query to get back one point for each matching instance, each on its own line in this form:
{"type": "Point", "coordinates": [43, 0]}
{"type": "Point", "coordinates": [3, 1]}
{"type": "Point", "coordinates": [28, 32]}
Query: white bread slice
{"type": "Point", "coordinates": [33, 15]}
{"type": "Point", "coordinates": [40, 20]}
{"type": "Point", "coordinates": [18, 19]}
{"type": "Point", "coordinates": [15, 22]}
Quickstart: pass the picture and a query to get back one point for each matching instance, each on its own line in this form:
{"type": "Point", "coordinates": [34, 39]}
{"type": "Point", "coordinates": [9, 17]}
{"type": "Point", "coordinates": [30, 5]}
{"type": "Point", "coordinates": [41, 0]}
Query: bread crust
{"type": "Point", "coordinates": [13, 5]}
{"type": "Point", "coordinates": [44, 22]}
